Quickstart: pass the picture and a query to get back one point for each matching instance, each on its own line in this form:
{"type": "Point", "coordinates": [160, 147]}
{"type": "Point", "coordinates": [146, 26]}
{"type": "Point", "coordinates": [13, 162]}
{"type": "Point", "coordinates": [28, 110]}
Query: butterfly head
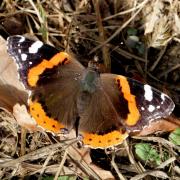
{"type": "Point", "coordinates": [94, 66]}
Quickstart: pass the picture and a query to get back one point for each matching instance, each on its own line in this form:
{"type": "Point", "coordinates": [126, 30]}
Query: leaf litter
{"type": "Point", "coordinates": [139, 39]}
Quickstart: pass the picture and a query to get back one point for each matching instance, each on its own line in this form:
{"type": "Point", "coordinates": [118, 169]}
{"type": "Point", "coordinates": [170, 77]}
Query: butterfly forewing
{"type": "Point", "coordinates": [53, 78]}
{"type": "Point", "coordinates": [27, 54]}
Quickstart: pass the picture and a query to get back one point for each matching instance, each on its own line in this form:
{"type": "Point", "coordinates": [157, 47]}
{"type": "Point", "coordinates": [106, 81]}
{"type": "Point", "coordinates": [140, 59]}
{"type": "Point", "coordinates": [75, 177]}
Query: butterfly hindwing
{"type": "Point", "coordinates": [136, 103]}
{"type": "Point", "coordinates": [99, 123]}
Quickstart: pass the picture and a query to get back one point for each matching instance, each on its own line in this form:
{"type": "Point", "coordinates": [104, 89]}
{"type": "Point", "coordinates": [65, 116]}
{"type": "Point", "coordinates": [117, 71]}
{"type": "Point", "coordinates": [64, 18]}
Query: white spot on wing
{"type": "Point", "coordinates": [148, 94]}
{"type": "Point", "coordinates": [151, 108]}
{"type": "Point", "coordinates": [23, 57]}
{"type": "Point", "coordinates": [158, 107]}
{"type": "Point", "coordinates": [35, 46]}
{"type": "Point", "coordinates": [142, 108]}
{"type": "Point", "coordinates": [162, 96]}
{"type": "Point", "coordinates": [22, 39]}
{"type": "Point", "coordinates": [19, 50]}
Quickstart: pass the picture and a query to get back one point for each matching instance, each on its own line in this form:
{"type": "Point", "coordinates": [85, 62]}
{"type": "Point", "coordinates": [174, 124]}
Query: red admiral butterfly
{"type": "Point", "coordinates": [103, 108]}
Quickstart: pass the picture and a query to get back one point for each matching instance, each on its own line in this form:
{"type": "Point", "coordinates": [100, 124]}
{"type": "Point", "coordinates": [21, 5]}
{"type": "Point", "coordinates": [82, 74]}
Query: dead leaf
{"type": "Point", "coordinates": [11, 90]}
{"type": "Point", "coordinates": [83, 156]}
{"type": "Point", "coordinates": [177, 23]}
{"type": "Point", "coordinates": [161, 125]}
{"type": "Point", "coordinates": [161, 34]}
{"type": "Point", "coordinates": [156, 174]}
{"type": "Point", "coordinates": [24, 119]}
{"type": "Point", "coordinates": [162, 22]}
{"type": "Point", "coordinates": [154, 12]}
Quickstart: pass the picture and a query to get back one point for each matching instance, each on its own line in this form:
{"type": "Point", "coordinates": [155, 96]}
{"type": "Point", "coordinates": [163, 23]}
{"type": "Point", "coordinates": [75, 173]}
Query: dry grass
{"type": "Point", "coordinates": [95, 29]}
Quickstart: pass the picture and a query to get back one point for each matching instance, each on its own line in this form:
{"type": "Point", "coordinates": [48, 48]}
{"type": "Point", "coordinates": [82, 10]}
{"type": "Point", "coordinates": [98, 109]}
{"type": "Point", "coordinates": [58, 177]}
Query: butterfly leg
{"type": "Point", "coordinates": [76, 126]}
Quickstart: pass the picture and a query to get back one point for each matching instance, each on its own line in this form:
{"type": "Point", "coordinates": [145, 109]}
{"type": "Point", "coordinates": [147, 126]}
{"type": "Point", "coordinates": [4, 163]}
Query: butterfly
{"type": "Point", "coordinates": [63, 94]}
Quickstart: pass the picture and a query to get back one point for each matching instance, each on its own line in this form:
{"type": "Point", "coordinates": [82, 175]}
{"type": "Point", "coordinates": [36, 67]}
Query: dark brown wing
{"type": "Point", "coordinates": [136, 103]}
{"type": "Point", "coordinates": [100, 124]}
{"type": "Point", "coordinates": [58, 96]}
{"type": "Point", "coordinates": [52, 78]}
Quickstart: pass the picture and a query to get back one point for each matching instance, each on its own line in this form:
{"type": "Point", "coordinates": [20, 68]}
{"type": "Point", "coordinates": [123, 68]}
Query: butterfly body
{"type": "Point", "coordinates": [103, 108]}
{"type": "Point", "coordinates": [90, 81]}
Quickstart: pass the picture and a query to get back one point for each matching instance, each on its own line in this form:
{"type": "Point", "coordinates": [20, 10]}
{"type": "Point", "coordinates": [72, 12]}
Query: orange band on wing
{"type": "Point", "coordinates": [104, 141]}
{"type": "Point", "coordinates": [42, 119]}
{"type": "Point", "coordinates": [35, 72]}
{"type": "Point", "coordinates": [133, 115]}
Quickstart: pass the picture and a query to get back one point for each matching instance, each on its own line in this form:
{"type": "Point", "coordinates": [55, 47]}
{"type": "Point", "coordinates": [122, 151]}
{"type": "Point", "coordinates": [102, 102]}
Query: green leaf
{"type": "Point", "coordinates": [42, 12]}
{"type": "Point", "coordinates": [132, 41]}
{"type": "Point", "coordinates": [165, 156]}
{"type": "Point", "coordinates": [174, 137]}
{"type": "Point", "coordinates": [48, 178]}
{"type": "Point", "coordinates": [147, 153]}
{"type": "Point", "coordinates": [131, 32]}
{"type": "Point", "coordinates": [67, 178]}
{"type": "Point", "coordinates": [141, 48]}
{"type": "Point", "coordinates": [43, 29]}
